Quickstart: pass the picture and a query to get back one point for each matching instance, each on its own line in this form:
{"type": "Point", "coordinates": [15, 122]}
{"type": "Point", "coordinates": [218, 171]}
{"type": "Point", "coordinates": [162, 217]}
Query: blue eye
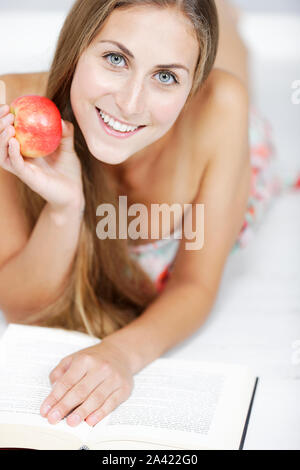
{"type": "Point", "coordinates": [114, 56]}
{"type": "Point", "coordinates": [170, 75]}
{"type": "Point", "coordinates": [164, 73]}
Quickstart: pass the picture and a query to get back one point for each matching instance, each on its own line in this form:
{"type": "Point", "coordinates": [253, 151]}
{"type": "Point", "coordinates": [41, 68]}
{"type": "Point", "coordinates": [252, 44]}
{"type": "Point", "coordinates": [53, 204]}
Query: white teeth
{"type": "Point", "coordinates": [118, 126]}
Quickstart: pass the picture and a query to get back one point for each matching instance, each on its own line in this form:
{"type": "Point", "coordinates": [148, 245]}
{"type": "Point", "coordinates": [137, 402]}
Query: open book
{"type": "Point", "coordinates": [175, 404]}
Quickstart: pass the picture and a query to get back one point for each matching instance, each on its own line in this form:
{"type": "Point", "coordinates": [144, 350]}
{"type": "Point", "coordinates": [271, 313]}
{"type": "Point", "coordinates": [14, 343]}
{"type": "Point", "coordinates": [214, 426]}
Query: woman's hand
{"type": "Point", "coordinates": [57, 177]}
{"type": "Point", "coordinates": [89, 383]}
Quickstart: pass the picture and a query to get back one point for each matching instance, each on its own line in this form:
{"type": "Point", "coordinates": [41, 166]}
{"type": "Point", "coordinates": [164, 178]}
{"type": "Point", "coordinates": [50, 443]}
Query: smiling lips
{"type": "Point", "coordinates": [116, 128]}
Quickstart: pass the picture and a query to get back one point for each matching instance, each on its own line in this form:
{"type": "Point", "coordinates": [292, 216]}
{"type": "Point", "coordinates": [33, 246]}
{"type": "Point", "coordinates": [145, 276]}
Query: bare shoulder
{"type": "Point", "coordinates": [221, 89]}
{"type": "Point", "coordinates": [220, 106]}
{"type": "Point", "coordinates": [227, 86]}
{"type": "Point", "coordinates": [18, 84]}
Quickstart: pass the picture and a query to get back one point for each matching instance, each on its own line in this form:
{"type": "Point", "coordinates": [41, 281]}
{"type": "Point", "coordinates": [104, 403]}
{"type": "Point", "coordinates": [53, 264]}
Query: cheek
{"type": "Point", "coordinates": [83, 88]}
{"type": "Point", "coordinates": [89, 83]}
{"type": "Point", "coordinates": [166, 111]}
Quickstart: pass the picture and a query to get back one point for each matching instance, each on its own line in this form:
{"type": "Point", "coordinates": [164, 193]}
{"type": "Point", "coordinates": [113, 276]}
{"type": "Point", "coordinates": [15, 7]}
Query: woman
{"type": "Point", "coordinates": [191, 146]}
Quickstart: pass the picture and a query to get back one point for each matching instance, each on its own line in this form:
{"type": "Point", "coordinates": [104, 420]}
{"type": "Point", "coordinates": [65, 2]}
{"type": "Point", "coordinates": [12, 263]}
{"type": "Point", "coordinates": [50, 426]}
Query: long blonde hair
{"type": "Point", "coordinates": [99, 297]}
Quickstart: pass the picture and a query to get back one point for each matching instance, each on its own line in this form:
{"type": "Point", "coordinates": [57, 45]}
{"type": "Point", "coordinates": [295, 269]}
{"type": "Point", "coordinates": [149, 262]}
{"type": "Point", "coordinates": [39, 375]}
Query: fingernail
{"type": "Point", "coordinates": [54, 416]}
{"type": "Point", "coordinates": [45, 409]}
{"type": "Point", "coordinates": [74, 420]}
{"type": "Point", "coordinates": [93, 420]}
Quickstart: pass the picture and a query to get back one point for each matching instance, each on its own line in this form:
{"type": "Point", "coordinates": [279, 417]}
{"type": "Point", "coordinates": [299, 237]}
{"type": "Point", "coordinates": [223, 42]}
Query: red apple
{"type": "Point", "coordinates": [37, 124]}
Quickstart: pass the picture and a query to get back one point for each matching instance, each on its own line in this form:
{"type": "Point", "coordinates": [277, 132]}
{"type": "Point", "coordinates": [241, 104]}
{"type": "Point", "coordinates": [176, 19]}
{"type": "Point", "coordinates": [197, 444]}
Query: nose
{"type": "Point", "coordinates": [131, 100]}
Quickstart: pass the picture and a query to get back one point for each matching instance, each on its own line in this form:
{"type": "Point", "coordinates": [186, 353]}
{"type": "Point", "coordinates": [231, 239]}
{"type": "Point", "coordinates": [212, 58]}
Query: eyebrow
{"type": "Point", "coordinates": [162, 66]}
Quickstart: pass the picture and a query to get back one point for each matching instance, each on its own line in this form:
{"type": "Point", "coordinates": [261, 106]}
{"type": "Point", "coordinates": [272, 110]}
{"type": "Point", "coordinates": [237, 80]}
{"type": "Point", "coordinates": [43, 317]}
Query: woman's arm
{"type": "Point", "coordinates": [189, 294]}
{"type": "Point", "coordinates": [36, 276]}
{"type": "Point", "coordinates": [34, 266]}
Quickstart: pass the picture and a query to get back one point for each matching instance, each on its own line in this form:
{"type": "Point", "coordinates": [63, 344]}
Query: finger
{"type": "Point", "coordinates": [2, 92]}
{"type": "Point", "coordinates": [60, 369]}
{"type": "Point", "coordinates": [5, 136]}
{"type": "Point", "coordinates": [15, 156]}
{"type": "Point", "coordinates": [67, 140]}
{"type": "Point", "coordinates": [61, 387]}
{"type": "Point", "coordinates": [93, 401]}
{"type": "Point", "coordinates": [6, 119]}
{"type": "Point", "coordinates": [72, 399]}
{"type": "Point", "coordinates": [19, 165]}
{"type": "Point", "coordinates": [4, 109]}
{"type": "Point", "coordinates": [110, 404]}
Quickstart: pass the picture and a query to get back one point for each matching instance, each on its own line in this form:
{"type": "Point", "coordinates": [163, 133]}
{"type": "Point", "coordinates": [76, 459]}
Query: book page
{"type": "Point", "coordinates": [174, 403]}
{"type": "Point", "coordinates": [183, 405]}
{"type": "Point", "coordinates": [27, 356]}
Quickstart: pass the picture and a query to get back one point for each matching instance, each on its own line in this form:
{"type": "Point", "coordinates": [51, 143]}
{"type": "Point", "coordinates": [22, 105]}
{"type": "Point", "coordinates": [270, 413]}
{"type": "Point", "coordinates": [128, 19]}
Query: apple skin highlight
{"type": "Point", "coordinates": [37, 124]}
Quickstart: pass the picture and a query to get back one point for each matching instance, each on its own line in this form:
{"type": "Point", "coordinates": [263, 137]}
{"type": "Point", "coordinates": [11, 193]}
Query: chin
{"type": "Point", "coordinates": [106, 155]}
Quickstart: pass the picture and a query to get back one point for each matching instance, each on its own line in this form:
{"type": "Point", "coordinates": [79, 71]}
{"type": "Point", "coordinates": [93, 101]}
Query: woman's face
{"type": "Point", "coordinates": [133, 82]}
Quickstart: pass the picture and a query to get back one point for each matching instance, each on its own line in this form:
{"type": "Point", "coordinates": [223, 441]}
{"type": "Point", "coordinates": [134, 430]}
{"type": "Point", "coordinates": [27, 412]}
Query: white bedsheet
{"type": "Point", "coordinates": [256, 317]}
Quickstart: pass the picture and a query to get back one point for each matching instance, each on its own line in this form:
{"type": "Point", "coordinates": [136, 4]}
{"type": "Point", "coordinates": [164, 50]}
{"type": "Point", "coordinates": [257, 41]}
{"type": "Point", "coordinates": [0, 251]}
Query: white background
{"type": "Point", "coordinates": [256, 317]}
